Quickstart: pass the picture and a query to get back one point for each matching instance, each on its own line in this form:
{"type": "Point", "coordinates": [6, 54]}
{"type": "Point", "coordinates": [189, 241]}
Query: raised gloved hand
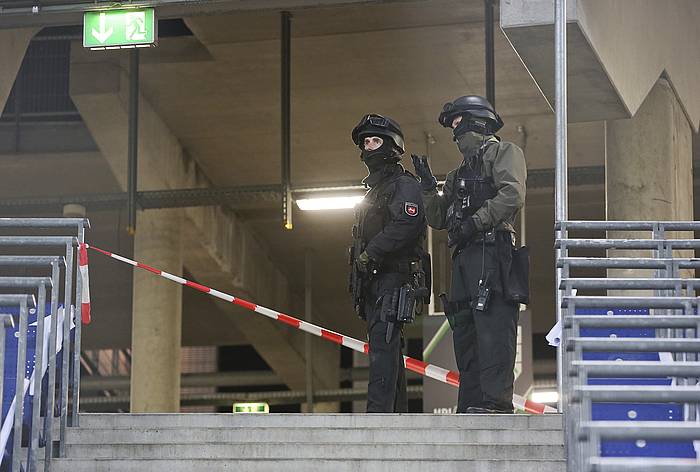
{"type": "Point", "coordinates": [364, 262]}
{"type": "Point", "coordinates": [461, 232]}
{"type": "Point", "coordinates": [428, 181]}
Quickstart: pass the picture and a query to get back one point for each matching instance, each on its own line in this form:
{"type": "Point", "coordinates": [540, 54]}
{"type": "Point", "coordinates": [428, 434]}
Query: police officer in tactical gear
{"type": "Point", "coordinates": [478, 206]}
{"type": "Point", "coordinates": [386, 258]}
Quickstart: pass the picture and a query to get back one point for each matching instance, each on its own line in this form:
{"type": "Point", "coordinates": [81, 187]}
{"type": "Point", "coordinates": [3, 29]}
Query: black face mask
{"type": "Point", "coordinates": [376, 160]}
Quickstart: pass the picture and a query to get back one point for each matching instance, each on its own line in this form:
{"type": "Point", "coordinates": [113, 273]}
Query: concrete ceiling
{"type": "Point", "coordinates": [219, 92]}
{"type": "Point", "coordinates": [404, 60]}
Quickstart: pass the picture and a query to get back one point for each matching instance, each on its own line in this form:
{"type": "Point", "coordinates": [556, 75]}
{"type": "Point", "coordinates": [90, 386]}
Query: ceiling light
{"type": "Point", "coordinates": [328, 203]}
{"type": "Point", "coordinates": [545, 397]}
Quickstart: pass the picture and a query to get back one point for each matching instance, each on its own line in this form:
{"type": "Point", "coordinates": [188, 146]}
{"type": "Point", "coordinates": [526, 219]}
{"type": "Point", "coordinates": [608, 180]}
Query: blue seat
{"type": "Point", "coordinates": [10, 373]}
{"type": "Point", "coordinates": [633, 411]}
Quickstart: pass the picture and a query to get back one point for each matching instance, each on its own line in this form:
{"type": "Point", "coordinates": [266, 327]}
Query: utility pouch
{"type": "Point", "coordinates": [406, 312]}
{"type": "Point", "coordinates": [518, 286]}
{"type": "Point", "coordinates": [390, 302]}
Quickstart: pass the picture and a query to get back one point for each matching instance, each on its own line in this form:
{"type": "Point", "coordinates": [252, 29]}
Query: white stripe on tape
{"type": "Point", "coordinates": [354, 344]}
{"type": "Point", "coordinates": [267, 312]}
{"type": "Point", "coordinates": [221, 295]}
{"type": "Point", "coordinates": [174, 278]}
{"type": "Point", "coordinates": [124, 259]}
{"type": "Point", "coordinates": [85, 298]}
{"type": "Point", "coordinates": [437, 373]}
{"type": "Point", "coordinates": [309, 328]}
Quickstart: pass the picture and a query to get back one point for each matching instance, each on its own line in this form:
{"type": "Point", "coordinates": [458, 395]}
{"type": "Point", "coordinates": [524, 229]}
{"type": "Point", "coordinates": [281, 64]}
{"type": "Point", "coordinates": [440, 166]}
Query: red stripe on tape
{"type": "Point", "coordinates": [366, 348]}
{"type": "Point", "coordinates": [291, 321]}
{"type": "Point", "coordinates": [533, 407]}
{"type": "Point", "coordinates": [245, 304]}
{"type": "Point", "coordinates": [148, 268]}
{"type": "Point", "coordinates": [99, 250]}
{"type": "Point", "coordinates": [453, 378]}
{"type": "Point", "coordinates": [336, 338]}
{"type": "Point", "coordinates": [415, 365]}
{"type": "Point", "coordinates": [195, 285]}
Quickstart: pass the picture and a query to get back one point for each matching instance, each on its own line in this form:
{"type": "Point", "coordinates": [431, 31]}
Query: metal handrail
{"type": "Point", "coordinates": [70, 293]}
{"type": "Point", "coordinates": [627, 263]}
{"type": "Point", "coordinates": [636, 369]}
{"type": "Point", "coordinates": [628, 225]}
{"type": "Point", "coordinates": [673, 310]}
{"type": "Point", "coordinates": [591, 283]}
{"type": "Point", "coordinates": [55, 262]}
{"type": "Point", "coordinates": [627, 243]}
{"type": "Point", "coordinates": [638, 321]}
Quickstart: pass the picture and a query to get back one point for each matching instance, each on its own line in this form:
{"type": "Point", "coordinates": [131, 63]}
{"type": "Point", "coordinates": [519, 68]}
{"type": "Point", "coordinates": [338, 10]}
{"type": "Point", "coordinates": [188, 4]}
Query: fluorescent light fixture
{"type": "Point", "coordinates": [545, 397]}
{"type": "Point", "coordinates": [328, 203]}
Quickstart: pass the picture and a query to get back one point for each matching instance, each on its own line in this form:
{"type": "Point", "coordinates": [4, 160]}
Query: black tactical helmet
{"type": "Point", "coordinates": [372, 125]}
{"type": "Point", "coordinates": [475, 106]}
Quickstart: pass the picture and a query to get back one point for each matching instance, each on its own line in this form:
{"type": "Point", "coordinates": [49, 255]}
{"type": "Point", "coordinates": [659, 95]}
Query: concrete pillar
{"type": "Point", "coordinates": [649, 165]}
{"type": "Point", "coordinates": [157, 314]}
{"type": "Point", "coordinates": [222, 251]}
{"type": "Point", "coordinates": [13, 45]}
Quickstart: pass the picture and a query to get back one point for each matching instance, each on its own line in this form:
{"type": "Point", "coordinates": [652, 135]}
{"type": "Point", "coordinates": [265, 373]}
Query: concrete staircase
{"type": "Point", "coordinates": [318, 442]}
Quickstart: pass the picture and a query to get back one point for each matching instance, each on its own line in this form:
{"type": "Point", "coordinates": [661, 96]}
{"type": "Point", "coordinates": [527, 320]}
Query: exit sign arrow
{"type": "Point", "coordinates": [117, 28]}
{"type": "Point", "coordinates": [103, 34]}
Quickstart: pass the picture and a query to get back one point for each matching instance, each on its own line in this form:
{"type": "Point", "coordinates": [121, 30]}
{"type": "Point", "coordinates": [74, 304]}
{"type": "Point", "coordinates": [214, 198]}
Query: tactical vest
{"type": "Point", "coordinates": [470, 189]}
{"type": "Point", "coordinates": [373, 215]}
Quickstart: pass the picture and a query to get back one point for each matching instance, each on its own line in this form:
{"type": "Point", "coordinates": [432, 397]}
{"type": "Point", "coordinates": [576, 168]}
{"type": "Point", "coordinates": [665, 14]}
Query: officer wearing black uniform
{"type": "Point", "coordinates": [478, 206]}
{"type": "Point", "coordinates": [386, 257]}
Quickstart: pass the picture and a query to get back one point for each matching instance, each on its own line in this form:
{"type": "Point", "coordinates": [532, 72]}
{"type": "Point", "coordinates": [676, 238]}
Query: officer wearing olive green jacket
{"type": "Point", "coordinates": [478, 206]}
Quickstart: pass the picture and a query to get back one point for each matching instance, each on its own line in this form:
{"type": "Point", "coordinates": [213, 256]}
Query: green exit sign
{"type": "Point", "coordinates": [251, 408]}
{"type": "Point", "coordinates": [119, 29]}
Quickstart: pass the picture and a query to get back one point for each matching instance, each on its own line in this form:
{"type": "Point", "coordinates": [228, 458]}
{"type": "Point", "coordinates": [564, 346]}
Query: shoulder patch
{"type": "Point", "coordinates": [411, 209]}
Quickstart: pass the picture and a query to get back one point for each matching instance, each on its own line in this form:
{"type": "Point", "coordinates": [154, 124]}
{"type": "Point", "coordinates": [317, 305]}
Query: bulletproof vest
{"type": "Point", "coordinates": [373, 215]}
{"type": "Point", "coordinates": [470, 188]}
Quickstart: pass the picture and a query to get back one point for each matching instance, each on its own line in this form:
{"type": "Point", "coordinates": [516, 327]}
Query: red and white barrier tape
{"type": "Point", "coordinates": [415, 365]}
{"type": "Point", "coordinates": [85, 296]}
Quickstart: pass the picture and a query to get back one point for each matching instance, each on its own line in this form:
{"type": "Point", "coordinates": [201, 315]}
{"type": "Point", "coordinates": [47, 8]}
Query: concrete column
{"type": "Point", "coordinates": [157, 314]}
{"type": "Point", "coordinates": [649, 165]}
{"type": "Point", "coordinates": [13, 45]}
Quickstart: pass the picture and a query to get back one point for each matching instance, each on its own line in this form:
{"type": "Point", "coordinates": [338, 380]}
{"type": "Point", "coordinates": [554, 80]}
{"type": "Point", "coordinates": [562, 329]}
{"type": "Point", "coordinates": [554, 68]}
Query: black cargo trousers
{"type": "Point", "coordinates": [484, 341]}
{"type": "Point", "coordinates": [386, 391]}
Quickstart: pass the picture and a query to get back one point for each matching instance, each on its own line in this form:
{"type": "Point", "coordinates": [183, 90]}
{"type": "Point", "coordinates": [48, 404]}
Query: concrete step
{"type": "Point", "coordinates": [381, 435]}
{"type": "Point", "coordinates": [306, 465]}
{"type": "Point", "coordinates": [295, 420]}
{"type": "Point", "coordinates": [269, 450]}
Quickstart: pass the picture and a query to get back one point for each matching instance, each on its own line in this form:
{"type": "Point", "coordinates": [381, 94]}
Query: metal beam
{"type": "Point", "coordinates": [133, 137]}
{"type": "Point", "coordinates": [489, 52]}
{"type": "Point", "coordinates": [66, 12]}
{"type": "Point", "coordinates": [285, 94]}
{"type": "Point", "coordinates": [251, 196]}
{"type": "Point", "coordinates": [561, 210]}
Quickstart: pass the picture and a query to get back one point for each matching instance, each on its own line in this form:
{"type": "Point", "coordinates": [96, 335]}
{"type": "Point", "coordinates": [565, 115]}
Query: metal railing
{"type": "Point", "coordinates": [29, 294]}
{"type": "Point", "coordinates": [668, 309]}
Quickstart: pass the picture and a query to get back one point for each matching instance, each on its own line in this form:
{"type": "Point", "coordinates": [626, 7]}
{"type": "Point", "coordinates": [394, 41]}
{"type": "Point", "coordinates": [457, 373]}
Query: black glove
{"type": "Point", "coordinates": [461, 232]}
{"type": "Point", "coordinates": [428, 181]}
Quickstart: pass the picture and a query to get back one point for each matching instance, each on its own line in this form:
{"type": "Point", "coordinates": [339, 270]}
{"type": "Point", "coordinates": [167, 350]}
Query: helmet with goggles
{"type": "Point", "coordinates": [378, 125]}
{"type": "Point", "coordinates": [477, 115]}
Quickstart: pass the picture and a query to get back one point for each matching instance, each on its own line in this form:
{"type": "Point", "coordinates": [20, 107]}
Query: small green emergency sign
{"type": "Point", "coordinates": [120, 29]}
{"type": "Point", "coordinates": [251, 408]}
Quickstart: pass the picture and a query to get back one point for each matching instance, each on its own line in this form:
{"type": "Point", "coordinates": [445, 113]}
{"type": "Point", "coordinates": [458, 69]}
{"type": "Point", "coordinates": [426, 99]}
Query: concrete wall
{"type": "Point", "coordinates": [220, 250]}
{"type": "Point", "coordinates": [13, 45]}
{"type": "Point", "coordinates": [617, 52]}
